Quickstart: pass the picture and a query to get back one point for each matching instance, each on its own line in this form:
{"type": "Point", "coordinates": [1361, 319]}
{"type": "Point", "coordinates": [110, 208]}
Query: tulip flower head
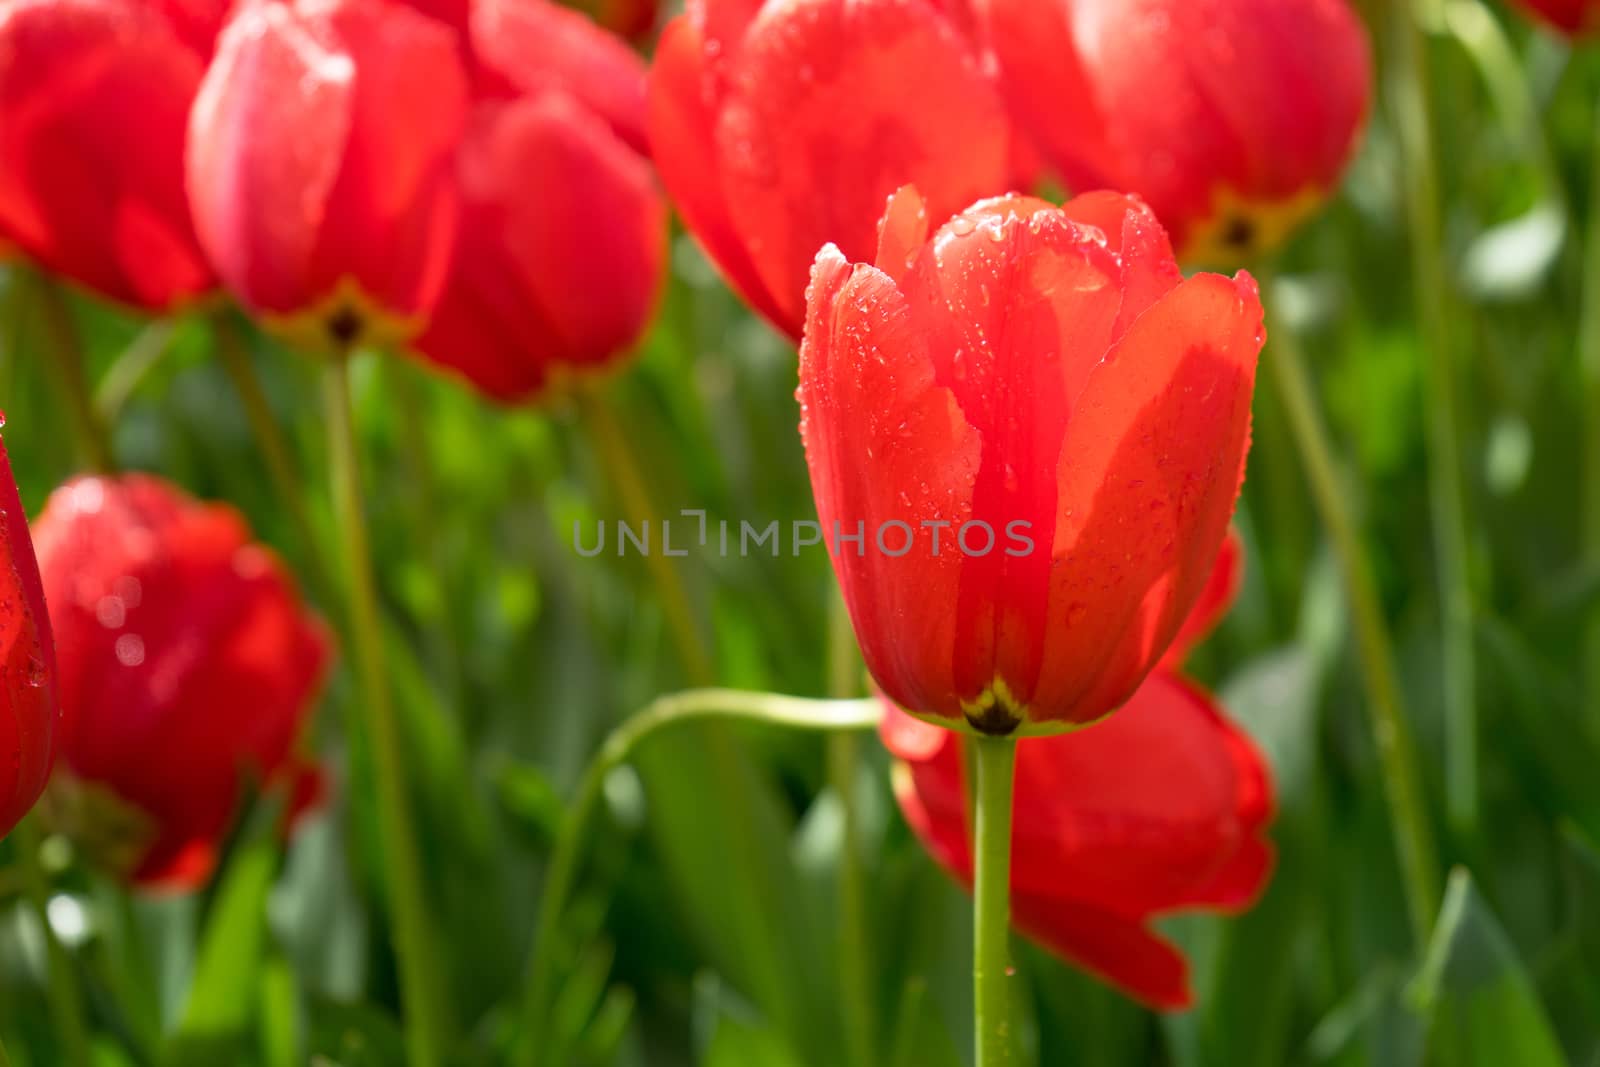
{"type": "Point", "coordinates": [321, 166]}
{"type": "Point", "coordinates": [1159, 809]}
{"type": "Point", "coordinates": [189, 666]}
{"type": "Point", "coordinates": [780, 127]}
{"type": "Point", "coordinates": [562, 244]}
{"type": "Point", "coordinates": [27, 656]}
{"type": "Point", "coordinates": [1039, 429]}
{"type": "Point", "coordinates": [1572, 17]}
{"type": "Point", "coordinates": [1232, 118]}
{"type": "Point", "coordinates": [94, 102]}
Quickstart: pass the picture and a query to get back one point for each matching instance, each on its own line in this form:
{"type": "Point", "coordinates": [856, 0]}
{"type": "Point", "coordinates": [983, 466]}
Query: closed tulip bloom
{"type": "Point", "coordinates": [1159, 809]}
{"type": "Point", "coordinates": [1572, 17]}
{"type": "Point", "coordinates": [27, 657]}
{"type": "Point", "coordinates": [780, 127]}
{"type": "Point", "coordinates": [189, 666]}
{"type": "Point", "coordinates": [321, 166]}
{"type": "Point", "coordinates": [562, 244]}
{"type": "Point", "coordinates": [1041, 390]}
{"type": "Point", "coordinates": [1232, 118]}
{"type": "Point", "coordinates": [94, 102]}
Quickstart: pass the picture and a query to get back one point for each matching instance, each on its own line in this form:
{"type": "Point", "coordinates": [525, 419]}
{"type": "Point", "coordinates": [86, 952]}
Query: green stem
{"type": "Point", "coordinates": [1589, 362]}
{"type": "Point", "coordinates": [623, 472]}
{"type": "Point", "coordinates": [131, 367]}
{"type": "Point", "coordinates": [996, 759]}
{"type": "Point", "coordinates": [1391, 732]}
{"type": "Point", "coordinates": [67, 1015]}
{"type": "Point", "coordinates": [694, 705]}
{"type": "Point", "coordinates": [1414, 125]}
{"type": "Point", "coordinates": [5, 1061]}
{"type": "Point", "coordinates": [423, 1003]}
{"type": "Point", "coordinates": [276, 453]}
{"type": "Point", "coordinates": [64, 358]}
{"type": "Point", "coordinates": [844, 758]}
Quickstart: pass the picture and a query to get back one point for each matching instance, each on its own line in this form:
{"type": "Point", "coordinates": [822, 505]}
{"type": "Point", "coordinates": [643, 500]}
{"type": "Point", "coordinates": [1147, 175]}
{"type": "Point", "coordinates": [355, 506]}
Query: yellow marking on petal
{"type": "Point", "coordinates": [1240, 230]}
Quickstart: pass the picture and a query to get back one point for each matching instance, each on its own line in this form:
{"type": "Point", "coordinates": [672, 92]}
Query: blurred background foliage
{"type": "Point", "coordinates": [704, 930]}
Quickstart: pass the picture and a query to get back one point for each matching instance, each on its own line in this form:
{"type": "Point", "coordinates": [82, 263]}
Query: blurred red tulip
{"type": "Point", "coordinates": [321, 166]}
{"type": "Point", "coordinates": [188, 668]}
{"type": "Point", "coordinates": [1233, 118]}
{"type": "Point", "coordinates": [780, 127]}
{"type": "Point", "coordinates": [94, 101]}
{"type": "Point", "coordinates": [1158, 809]}
{"type": "Point", "coordinates": [27, 656]}
{"type": "Point", "coordinates": [562, 248]}
{"type": "Point", "coordinates": [1569, 16]}
{"type": "Point", "coordinates": [1041, 387]}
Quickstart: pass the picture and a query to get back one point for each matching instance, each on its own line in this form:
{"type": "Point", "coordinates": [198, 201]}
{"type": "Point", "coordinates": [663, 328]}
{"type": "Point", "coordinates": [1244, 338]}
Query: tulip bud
{"type": "Point", "coordinates": [1040, 429]}
{"type": "Point", "coordinates": [188, 668]}
{"type": "Point", "coordinates": [1158, 809]}
{"type": "Point", "coordinates": [780, 127]}
{"type": "Point", "coordinates": [1572, 17]}
{"type": "Point", "coordinates": [562, 248]}
{"type": "Point", "coordinates": [94, 101]}
{"type": "Point", "coordinates": [1232, 118]}
{"type": "Point", "coordinates": [321, 166]}
{"type": "Point", "coordinates": [27, 657]}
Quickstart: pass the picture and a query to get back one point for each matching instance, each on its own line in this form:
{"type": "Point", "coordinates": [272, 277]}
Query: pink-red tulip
{"type": "Point", "coordinates": [188, 668]}
{"type": "Point", "coordinates": [1232, 118]}
{"type": "Point", "coordinates": [321, 165]}
{"type": "Point", "coordinates": [780, 127]}
{"type": "Point", "coordinates": [1159, 809]}
{"type": "Point", "coordinates": [1038, 388]}
{"type": "Point", "coordinates": [94, 102]}
{"type": "Point", "coordinates": [1573, 17]}
{"type": "Point", "coordinates": [27, 658]}
{"type": "Point", "coordinates": [562, 243]}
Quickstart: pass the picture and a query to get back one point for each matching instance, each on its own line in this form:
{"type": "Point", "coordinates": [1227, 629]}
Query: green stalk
{"type": "Point", "coordinates": [423, 1005]}
{"type": "Point", "coordinates": [1390, 729]}
{"type": "Point", "coordinates": [844, 757]}
{"type": "Point", "coordinates": [64, 360]}
{"type": "Point", "coordinates": [1414, 125]}
{"type": "Point", "coordinates": [695, 705]}
{"type": "Point", "coordinates": [996, 759]}
{"type": "Point", "coordinates": [1589, 361]}
{"type": "Point", "coordinates": [65, 997]}
{"type": "Point", "coordinates": [270, 439]}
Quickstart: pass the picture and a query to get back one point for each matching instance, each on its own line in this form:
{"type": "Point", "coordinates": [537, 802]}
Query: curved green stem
{"type": "Point", "coordinates": [1589, 361]}
{"type": "Point", "coordinates": [423, 1001]}
{"type": "Point", "coordinates": [996, 759]}
{"type": "Point", "coordinates": [64, 357]}
{"type": "Point", "coordinates": [65, 997]}
{"type": "Point", "coordinates": [623, 472]}
{"type": "Point", "coordinates": [270, 439]}
{"type": "Point", "coordinates": [692, 705]}
{"type": "Point", "coordinates": [1414, 125]}
{"type": "Point", "coordinates": [132, 366]}
{"type": "Point", "coordinates": [844, 757]}
{"type": "Point", "coordinates": [1390, 729]}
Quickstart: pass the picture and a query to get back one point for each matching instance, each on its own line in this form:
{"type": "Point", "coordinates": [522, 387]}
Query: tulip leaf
{"type": "Point", "coordinates": [731, 1036]}
{"type": "Point", "coordinates": [223, 994]}
{"type": "Point", "coordinates": [920, 1038]}
{"type": "Point", "coordinates": [1482, 1004]}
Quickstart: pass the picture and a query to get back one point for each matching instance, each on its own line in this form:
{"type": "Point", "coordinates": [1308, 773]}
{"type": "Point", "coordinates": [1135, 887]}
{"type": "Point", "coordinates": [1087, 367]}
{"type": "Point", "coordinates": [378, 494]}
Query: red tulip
{"type": "Point", "coordinates": [1573, 17]}
{"type": "Point", "coordinates": [1040, 389]}
{"type": "Point", "coordinates": [1233, 118]}
{"type": "Point", "coordinates": [94, 100]}
{"type": "Point", "coordinates": [1158, 809]}
{"type": "Point", "coordinates": [188, 667]}
{"type": "Point", "coordinates": [563, 232]}
{"type": "Point", "coordinates": [320, 165]}
{"type": "Point", "coordinates": [27, 656]}
{"type": "Point", "coordinates": [780, 127]}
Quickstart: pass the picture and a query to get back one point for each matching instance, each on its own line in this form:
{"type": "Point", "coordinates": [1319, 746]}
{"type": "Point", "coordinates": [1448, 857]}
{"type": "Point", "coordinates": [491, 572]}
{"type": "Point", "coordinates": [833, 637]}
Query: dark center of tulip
{"type": "Point", "coordinates": [344, 327]}
{"type": "Point", "coordinates": [1239, 233]}
{"type": "Point", "coordinates": [995, 714]}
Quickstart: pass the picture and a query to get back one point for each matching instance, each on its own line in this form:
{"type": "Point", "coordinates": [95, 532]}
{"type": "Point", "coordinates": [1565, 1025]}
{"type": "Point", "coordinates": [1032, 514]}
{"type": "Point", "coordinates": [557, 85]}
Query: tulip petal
{"type": "Point", "coordinates": [1123, 952]}
{"type": "Point", "coordinates": [1149, 473]}
{"type": "Point", "coordinates": [682, 141]}
{"type": "Point", "coordinates": [902, 233]}
{"type": "Point", "coordinates": [886, 444]}
{"type": "Point", "coordinates": [1218, 595]}
{"type": "Point", "coordinates": [818, 130]}
{"type": "Point", "coordinates": [29, 713]}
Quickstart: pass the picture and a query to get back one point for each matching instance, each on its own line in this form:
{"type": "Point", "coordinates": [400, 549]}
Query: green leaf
{"type": "Point", "coordinates": [732, 1036]}
{"type": "Point", "coordinates": [1482, 1003]}
{"type": "Point", "coordinates": [920, 1038]}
